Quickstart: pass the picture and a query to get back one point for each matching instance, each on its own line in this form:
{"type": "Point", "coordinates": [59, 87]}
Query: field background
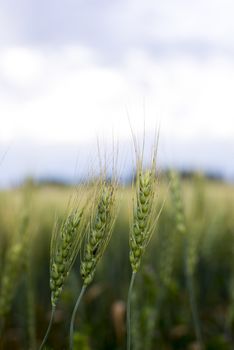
{"type": "Point", "coordinates": [161, 316]}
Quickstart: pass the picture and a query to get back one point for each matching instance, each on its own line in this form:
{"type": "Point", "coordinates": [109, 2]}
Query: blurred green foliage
{"type": "Point", "coordinates": [161, 312]}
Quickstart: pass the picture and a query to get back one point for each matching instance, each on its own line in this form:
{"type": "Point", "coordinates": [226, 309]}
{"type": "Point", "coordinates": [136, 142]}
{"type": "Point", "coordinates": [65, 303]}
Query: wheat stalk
{"type": "Point", "coordinates": [169, 237]}
{"type": "Point", "coordinates": [191, 252]}
{"type": "Point", "coordinates": [65, 244]}
{"type": "Point", "coordinates": [98, 236]}
{"type": "Point", "coordinates": [144, 220]}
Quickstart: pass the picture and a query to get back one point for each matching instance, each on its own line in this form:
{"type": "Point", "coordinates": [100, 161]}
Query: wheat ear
{"type": "Point", "coordinates": [98, 236]}
{"type": "Point", "coordinates": [191, 252]}
{"type": "Point", "coordinates": [65, 244]}
{"type": "Point", "coordinates": [143, 223]}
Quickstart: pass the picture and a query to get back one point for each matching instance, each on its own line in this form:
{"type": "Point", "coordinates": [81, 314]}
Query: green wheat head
{"type": "Point", "coordinates": [144, 215]}
{"type": "Point", "coordinates": [177, 202]}
{"type": "Point", "coordinates": [65, 245]}
{"type": "Point", "coordinates": [100, 229]}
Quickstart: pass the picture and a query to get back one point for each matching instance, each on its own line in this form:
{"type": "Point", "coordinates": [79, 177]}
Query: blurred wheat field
{"type": "Point", "coordinates": [161, 316]}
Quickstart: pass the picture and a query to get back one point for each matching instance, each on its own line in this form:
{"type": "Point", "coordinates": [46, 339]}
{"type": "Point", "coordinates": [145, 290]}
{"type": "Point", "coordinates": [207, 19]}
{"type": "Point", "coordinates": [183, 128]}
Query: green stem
{"type": "Point", "coordinates": [48, 329]}
{"type": "Point", "coordinates": [31, 319]}
{"type": "Point", "coordinates": [129, 311]}
{"type": "Point", "coordinates": [74, 315]}
{"type": "Point", "coordinates": [30, 307]}
{"type": "Point", "coordinates": [193, 304]}
{"type": "Point", "coordinates": [153, 323]}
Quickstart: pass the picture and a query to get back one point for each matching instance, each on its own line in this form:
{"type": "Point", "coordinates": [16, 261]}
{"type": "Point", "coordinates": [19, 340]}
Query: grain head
{"type": "Point", "coordinates": [100, 228]}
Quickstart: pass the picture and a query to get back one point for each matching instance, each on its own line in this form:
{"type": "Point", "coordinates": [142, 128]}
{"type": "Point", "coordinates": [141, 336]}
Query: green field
{"type": "Point", "coordinates": [161, 302]}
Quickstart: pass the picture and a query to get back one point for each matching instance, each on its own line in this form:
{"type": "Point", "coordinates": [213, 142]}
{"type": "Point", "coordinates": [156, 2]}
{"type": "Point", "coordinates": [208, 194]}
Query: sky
{"type": "Point", "coordinates": [74, 71]}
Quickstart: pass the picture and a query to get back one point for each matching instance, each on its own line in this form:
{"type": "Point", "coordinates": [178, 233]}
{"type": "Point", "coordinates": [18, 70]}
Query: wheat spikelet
{"type": "Point", "coordinates": [144, 218]}
{"type": "Point", "coordinates": [177, 202]}
{"type": "Point", "coordinates": [98, 236]}
{"type": "Point", "coordinates": [144, 214]}
{"type": "Point", "coordinates": [191, 253]}
{"type": "Point", "coordinates": [197, 234]}
{"type": "Point", "coordinates": [170, 238]}
{"type": "Point", "coordinates": [167, 255]}
{"type": "Point", "coordinates": [99, 230]}
{"type": "Point", "coordinates": [65, 245]}
{"type": "Point", "coordinates": [194, 236]}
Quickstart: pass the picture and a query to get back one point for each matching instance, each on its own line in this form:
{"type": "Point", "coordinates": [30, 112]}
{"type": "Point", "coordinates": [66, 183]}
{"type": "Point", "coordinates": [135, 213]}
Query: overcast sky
{"type": "Point", "coordinates": [69, 70]}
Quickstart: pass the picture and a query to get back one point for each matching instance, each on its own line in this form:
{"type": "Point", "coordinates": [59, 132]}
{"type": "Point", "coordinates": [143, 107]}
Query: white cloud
{"type": "Point", "coordinates": [21, 66]}
{"type": "Point", "coordinates": [77, 99]}
{"type": "Point", "coordinates": [63, 82]}
{"type": "Point", "coordinates": [147, 23]}
{"type": "Point", "coordinates": [74, 101]}
{"type": "Point", "coordinates": [117, 26]}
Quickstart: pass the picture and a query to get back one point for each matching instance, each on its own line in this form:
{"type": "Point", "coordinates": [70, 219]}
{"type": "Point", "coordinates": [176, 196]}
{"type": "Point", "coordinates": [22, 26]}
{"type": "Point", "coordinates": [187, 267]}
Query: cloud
{"type": "Point", "coordinates": [68, 95]}
{"type": "Point", "coordinates": [113, 28]}
{"type": "Point", "coordinates": [21, 66]}
{"type": "Point", "coordinates": [68, 71]}
{"type": "Point", "coordinates": [61, 95]}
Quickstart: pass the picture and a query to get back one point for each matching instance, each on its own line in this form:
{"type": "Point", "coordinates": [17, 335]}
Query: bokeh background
{"type": "Point", "coordinates": [70, 71]}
